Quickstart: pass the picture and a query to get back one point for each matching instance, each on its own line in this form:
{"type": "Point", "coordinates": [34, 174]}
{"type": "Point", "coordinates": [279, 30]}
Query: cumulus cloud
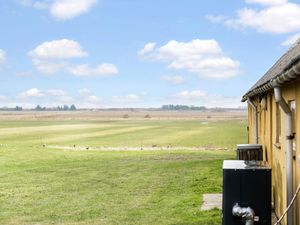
{"type": "Point", "coordinates": [200, 97]}
{"type": "Point", "coordinates": [37, 93]}
{"type": "Point", "coordinates": [92, 98]}
{"type": "Point", "coordinates": [49, 97]}
{"type": "Point", "coordinates": [203, 57]}
{"type": "Point", "coordinates": [191, 95]}
{"type": "Point", "coordinates": [148, 48]}
{"type": "Point", "coordinates": [49, 57]}
{"type": "Point", "coordinates": [68, 9]}
{"type": "Point", "coordinates": [130, 98]}
{"type": "Point", "coordinates": [105, 69]}
{"type": "Point", "coordinates": [53, 56]}
{"type": "Point", "coordinates": [2, 56]}
{"type": "Point", "coordinates": [32, 93]}
{"type": "Point", "coordinates": [88, 96]}
{"type": "Point", "coordinates": [56, 92]}
{"type": "Point", "coordinates": [62, 9]}
{"type": "Point", "coordinates": [52, 98]}
{"type": "Point", "coordinates": [58, 49]}
{"type": "Point", "coordinates": [275, 17]}
{"type": "Point", "coordinates": [173, 79]}
{"type": "Point", "coordinates": [48, 67]}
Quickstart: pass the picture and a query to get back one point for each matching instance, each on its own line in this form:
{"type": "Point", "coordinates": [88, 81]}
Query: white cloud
{"type": "Point", "coordinates": [53, 56]}
{"type": "Point", "coordinates": [37, 93]}
{"type": "Point", "coordinates": [88, 99]}
{"type": "Point", "coordinates": [62, 9]}
{"type": "Point", "coordinates": [68, 9]}
{"type": "Point", "coordinates": [147, 48]}
{"type": "Point", "coordinates": [58, 49]}
{"type": "Point", "coordinates": [92, 98]}
{"type": "Point", "coordinates": [49, 67]}
{"type": "Point", "coordinates": [32, 93]}
{"type": "Point", "coordinates": [203, 57]}
{"type": "Point", "coordinates": [291, 40]}
{"type": "Point", "coordinates": [275, 17]}
{"type": "Point", "coordinates": [2, 56]}
{"type": "Point", "coordinates": [191, 95]}
{"type": "Point", "coordinates": [51, 98]}
{"type": "Point", "coordinates": [130, 98]}
{"type": "Point", "coordinates": [199, 97]}
{"type": "Point", "coordinates": [56, 92]}
{"type": "Point", "coordinates": [105, 69]}
{"type": "Point", "coordinates": [278, 19]}
{"type": "Point", "coordinates": [173, 79]}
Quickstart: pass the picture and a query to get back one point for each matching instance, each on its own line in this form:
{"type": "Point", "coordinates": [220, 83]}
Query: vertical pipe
{"type": "Point", "coordinates": [289, 151]}
{"type": "Point", "coordinates": [255, 129]}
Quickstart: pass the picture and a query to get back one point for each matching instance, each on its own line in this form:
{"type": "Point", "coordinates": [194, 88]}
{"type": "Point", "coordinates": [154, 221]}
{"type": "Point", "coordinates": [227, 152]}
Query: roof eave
{"type": "Point", "coordinates": [291, 74]}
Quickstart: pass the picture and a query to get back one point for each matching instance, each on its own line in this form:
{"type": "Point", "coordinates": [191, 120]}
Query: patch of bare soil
{"type": "Point", "coordinates": [124, 115]}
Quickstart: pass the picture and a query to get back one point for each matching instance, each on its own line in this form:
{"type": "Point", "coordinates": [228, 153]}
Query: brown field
{"type": "Point", "coordinates": [123, 114]}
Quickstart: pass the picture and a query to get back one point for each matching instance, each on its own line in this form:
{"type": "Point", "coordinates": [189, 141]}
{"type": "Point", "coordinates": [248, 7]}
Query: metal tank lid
{"type": "Point", "coordinates": [241, 164]}
{"type": "Point", "coordinates": [249, 146]}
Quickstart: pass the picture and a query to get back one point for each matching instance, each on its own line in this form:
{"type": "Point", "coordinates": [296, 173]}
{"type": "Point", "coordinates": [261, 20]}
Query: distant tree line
{"type": "Point", "coordinates": [17, 108]}
{"type": "Point", "coordinates": [40, 108]}
{"type": "Point", "coordinates": [183, 107]}
{"type": "Point", "coordinates": [58, 108]}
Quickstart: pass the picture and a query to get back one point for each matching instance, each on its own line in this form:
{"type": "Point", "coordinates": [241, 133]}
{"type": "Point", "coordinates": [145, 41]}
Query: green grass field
{"type": "Point", "coordinates": [44, 185]}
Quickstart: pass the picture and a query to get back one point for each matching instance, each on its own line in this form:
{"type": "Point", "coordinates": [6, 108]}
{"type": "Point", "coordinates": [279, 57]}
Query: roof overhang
{"type": "Point", "coordinates": [289, 75]}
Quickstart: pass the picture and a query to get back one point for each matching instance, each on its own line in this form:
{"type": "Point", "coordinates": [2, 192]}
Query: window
{"type": "Point", "coordinates": [278, 124]}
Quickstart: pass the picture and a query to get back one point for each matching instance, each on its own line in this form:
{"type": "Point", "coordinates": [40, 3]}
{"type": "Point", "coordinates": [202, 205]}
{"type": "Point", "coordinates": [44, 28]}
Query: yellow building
{"type": "Point", "coordinates": [274, 122]}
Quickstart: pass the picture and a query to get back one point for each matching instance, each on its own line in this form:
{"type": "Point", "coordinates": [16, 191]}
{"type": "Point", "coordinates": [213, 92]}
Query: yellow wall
{"type": "Point", "coordinates": [274, 153]}
{"type": "Point", "coordinates": [297, 163]}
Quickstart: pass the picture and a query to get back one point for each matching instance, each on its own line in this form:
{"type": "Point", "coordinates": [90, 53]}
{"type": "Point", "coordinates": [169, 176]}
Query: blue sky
{"type": "Point", "coordinates": [138, 53]}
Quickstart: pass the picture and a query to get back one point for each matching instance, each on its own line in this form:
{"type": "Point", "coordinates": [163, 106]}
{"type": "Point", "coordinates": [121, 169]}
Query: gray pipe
{"type": "Point", "coordinates": [246, 213]}
{"type": "Point", "coordinates": [292, 74]}
{"type": "Point", "coordinates": [255, 121]}
{"type": "Point", "coordinates": [289, 150]}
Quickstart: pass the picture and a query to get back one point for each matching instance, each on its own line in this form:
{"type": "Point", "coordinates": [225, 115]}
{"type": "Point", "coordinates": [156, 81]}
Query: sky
{"type": "Point", "coordinates": [139, 53]}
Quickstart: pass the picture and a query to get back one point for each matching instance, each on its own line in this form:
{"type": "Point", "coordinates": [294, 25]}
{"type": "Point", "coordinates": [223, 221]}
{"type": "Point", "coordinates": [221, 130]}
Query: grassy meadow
{"type": "Point", "coordinates": [47, 179]}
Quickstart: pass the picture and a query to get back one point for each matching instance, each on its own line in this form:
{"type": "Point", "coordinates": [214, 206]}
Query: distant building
{"type": "Point", "coordinates": [274, 122]}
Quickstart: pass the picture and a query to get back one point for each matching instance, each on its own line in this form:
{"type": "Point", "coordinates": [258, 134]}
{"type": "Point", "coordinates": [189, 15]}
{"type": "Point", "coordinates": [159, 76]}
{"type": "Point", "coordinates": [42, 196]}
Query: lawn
{"type": "Point", "coordinates": [45, 185]}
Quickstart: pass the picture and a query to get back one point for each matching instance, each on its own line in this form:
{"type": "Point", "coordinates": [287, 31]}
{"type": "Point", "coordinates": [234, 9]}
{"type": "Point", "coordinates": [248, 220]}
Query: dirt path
{"type": "Point", "coordinates": [146, 148]}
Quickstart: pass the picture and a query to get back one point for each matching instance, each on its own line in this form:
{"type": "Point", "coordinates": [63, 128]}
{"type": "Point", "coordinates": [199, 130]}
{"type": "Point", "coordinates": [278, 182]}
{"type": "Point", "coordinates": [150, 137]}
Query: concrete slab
{"type": "Point", "coordinates": [214, 201]}
{"type": "Point", "coordinates": [211, 201]}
